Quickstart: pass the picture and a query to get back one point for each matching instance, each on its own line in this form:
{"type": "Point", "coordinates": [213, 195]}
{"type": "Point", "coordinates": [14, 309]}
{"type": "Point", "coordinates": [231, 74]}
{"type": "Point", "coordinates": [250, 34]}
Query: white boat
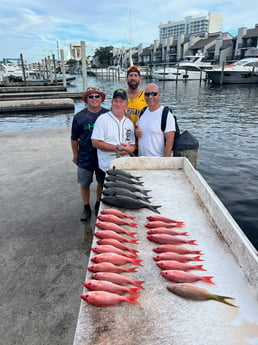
{"type": "Point", "coordinates": [9, 69]}
{"type": "Point", "coordinates": [191, 68]}
{"type": "Point", "coordinates": [244, 71]}
{"type": "Point", "coordinates": [108, 72]}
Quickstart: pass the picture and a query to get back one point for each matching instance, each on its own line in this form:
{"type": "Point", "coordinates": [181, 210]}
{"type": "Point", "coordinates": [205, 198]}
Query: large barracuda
{"type": "Point", "coordinates": [130, 203]}
{"type": "Point", "coordinates": [115, 191]}
{"type": "Point", "coordinates": [127, 186]}
{"type": "Point", "coordinates": [115, 172]}
{"type": "Point", "coordinates": [120, 178]}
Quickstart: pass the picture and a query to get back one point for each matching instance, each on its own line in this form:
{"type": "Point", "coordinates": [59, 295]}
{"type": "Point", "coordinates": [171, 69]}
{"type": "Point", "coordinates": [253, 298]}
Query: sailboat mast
{"type": "Point", "coordinates": [130, 44]}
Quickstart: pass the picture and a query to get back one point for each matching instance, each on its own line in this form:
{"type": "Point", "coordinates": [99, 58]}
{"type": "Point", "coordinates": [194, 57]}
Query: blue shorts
{"type": "Point", "coordinates": [85, 177]}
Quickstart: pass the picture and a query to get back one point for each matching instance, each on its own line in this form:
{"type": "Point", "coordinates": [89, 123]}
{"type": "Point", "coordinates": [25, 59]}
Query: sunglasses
{"type": "Point", "coordinates": [132, 68]}
{"type": "Point", "coordinates": [94, 96]}
{"type": "Point", "coordinates": [148, 94]}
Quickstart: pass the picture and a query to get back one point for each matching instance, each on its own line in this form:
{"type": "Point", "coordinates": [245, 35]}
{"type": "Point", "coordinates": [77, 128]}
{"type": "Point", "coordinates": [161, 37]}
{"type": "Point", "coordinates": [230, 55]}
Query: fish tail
{"type": "Point", "coordinates": [132, 299]}
{"type": "Point", "coordinates": [129, 217]}
{"type": "Point", "coordinates": [137, 262]}
{"type": "Point", "coordinates": [134, 291]}
{"type": "Point", "coordinates": [131, 234]}
{"type": "Point", "coordinates": [223, 299]}
{"type": "Point", "coordinates": [194, 242]}
{"type": "Point", "coordinates": [135, 241]}
{"type": "Point", "coordinates": [197, 258]}
{"type": "Point", "coordinates": [145, 191]}
{"type": "Point", "coordinates": [180, 224]}
{"type": "Point", "coordinates": [200, 268]}
{"type": "Point", "coordinates": [154, 208]}
{"type": "Point", "coordinates": [133, 269]}
{"type": "Point", "coordinates": [134, 225]}
{"type": "Point", "coordinates": [139, 283]}
{"type": "Point", "coordinates": [184, 233]}
{"type": "Point", "coordinates": [208, 280]}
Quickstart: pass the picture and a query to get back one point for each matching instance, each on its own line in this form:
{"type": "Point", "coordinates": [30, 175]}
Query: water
{"type": "Point", "coordinates": [223, 118]}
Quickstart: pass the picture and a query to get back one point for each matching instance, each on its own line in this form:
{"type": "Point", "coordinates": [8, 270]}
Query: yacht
{"type": "Point", "coordinates": [191, 68]}
{"type": "Point", "coordinates": [244, 71]}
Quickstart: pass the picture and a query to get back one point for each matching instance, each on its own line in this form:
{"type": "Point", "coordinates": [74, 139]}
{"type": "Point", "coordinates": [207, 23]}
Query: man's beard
{"type": "Point", "coordinates": [133, 85]}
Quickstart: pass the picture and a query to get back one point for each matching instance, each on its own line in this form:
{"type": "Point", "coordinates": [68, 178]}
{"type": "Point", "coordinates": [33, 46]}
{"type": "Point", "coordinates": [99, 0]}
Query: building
{"type": "Point", "coordinates": [191, 25]}
{"type": "Point", "coordinates": [75, 51]}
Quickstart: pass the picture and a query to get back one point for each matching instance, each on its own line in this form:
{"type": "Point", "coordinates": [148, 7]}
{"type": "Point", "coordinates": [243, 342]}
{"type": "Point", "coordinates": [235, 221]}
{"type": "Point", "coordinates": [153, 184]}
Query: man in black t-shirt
{"type": "Point", "coordinates": [84, 154]}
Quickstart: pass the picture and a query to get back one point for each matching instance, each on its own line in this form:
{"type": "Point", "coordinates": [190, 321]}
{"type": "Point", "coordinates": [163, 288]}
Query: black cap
{"type": "Point", "coordinates": [121, 93]}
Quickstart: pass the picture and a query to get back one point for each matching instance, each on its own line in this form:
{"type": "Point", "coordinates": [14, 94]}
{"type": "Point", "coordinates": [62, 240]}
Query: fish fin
{"type": "Point", "coordinates": [137, 262]}
{"type": "Point", "coordinates": [199, 267]}
{"type": "Point", "coordinates": [139, 283]}
{"type": "Point", "coordinates": [132, 269]}
{"type": "Point", "coordinates": [223, 299]}
{"type": "Point", "coordinates": [132, 299]}
{"type": "Point", "coordinates": [197, 258]}
{"type": "Point", "coordinates": [194, 242]}
{"type": "Point", "coordinates": [134, 291]}
{"type": "Point", "coordinates": [208, 280]}
{"type": "Point", "coordinates": [134, 225]}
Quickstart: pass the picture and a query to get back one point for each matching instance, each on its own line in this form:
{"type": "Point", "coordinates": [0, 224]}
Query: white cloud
{"type": "Point", "coordinates": [32, 27]}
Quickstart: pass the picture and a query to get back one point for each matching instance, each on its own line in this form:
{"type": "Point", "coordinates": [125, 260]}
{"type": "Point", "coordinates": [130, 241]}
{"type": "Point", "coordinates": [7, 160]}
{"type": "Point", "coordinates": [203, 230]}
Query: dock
{"type": "Point", "coordinates": [162, 317]}
{"type": "Point", "coordinates": [34, 98]}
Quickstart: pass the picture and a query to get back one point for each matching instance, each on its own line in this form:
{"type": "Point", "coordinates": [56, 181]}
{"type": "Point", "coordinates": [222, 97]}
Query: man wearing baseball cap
{"type": "Point", "coordinates": [113, 132]}
{"type": "Point", "coordinates": [136, 100]}
{"type": "Point", "coordinates": [84, 154]}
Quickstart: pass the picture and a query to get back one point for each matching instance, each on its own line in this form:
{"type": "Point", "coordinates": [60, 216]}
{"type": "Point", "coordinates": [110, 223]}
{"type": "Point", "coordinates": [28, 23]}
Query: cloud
{"type": "Point", "coordinates": [33, 27]}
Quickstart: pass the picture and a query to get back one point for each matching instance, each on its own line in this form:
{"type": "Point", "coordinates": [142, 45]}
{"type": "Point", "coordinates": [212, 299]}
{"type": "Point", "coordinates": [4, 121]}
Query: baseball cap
{"type": "Point", "coordinates": [133, 69]}
{"type": "Point", "coordinates": [121, 93]}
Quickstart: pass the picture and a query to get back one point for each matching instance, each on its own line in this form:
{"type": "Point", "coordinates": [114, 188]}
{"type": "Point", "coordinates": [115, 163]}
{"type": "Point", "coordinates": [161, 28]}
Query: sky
{"type": "Point", "coordinates": [37, 28]}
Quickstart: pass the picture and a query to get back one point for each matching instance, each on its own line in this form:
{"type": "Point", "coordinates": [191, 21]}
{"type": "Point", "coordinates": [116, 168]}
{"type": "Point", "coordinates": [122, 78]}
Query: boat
{"type": "Point", "coordinates": [191, 68]}
{"type": "Point", "coordinates": [11, 73]}
{"type": "Point", "coordinates": [244, 71]}
{"type": "Point", "coordinates": [161, 317]}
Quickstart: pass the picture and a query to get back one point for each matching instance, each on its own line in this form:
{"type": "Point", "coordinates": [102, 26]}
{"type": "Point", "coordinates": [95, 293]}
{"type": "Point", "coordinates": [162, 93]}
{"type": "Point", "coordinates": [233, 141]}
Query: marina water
{"type": "Point", "coordinates": [224, 118]}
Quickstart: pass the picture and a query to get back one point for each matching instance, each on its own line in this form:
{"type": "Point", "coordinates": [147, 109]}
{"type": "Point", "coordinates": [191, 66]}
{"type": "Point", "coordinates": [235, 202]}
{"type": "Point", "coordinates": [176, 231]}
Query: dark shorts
{"type": "Point", "coordinates": [85, 177]}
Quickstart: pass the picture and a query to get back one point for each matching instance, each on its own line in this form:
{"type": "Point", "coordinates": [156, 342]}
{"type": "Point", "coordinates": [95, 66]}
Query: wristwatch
{"type": "Point", "coordinates": [117, 147]}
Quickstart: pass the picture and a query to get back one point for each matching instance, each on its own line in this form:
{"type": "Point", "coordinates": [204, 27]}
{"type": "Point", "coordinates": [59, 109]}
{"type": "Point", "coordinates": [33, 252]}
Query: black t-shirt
{"type": "Point", "coordinates": [82, 127]}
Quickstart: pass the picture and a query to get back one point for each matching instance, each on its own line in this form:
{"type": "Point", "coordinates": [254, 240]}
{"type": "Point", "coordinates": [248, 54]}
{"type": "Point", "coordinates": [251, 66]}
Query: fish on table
{"type": "Point", "coordinates": [131, 187]}
{"type": "Point", "coordinates": [163, 219]}
{"type": "Point", "coordinates": [177, 265]}
{"type": "Point", "coordinates": [116, 213]}
{"type": "Point", "coordinates": [105, 299]}
{"type": "Point", "coordinates": [122, 172]}
{"type": "Point", "coordinates": [115, 259]}
{"type": "Point", "coordinates": [178, 276]}
{"type": "Point", "coordinates": [119, 178]}
{"type": "Point", "coordinates": [166, 231]}
{"type": "Point", "coordinates": [114, 227]}
{"type": "Point", "coordinates": [109, 267]}
{"type": "Point", "coordinates": [112, 234]}
{"type": "Point", "coordinates": [196, 293]}
{"type": "Point", "coordinates": [117, 244]}
{"type": "Point", "coordinates": [177, 257]}
{"type": "Point", "coordinates": [129, 203]}
{"type": "Point", "coordinates": [114, 219]}
{"type": "Point", "coordinates": [117, 191]}
{"type": "Point", "coordinates": [104, 285]}
{"type": "Point", "coordinates": [170, 239]}
{"type": "Point", "coordinates": [175, 249]}
{"type": "Point", "coordinates": [106, 248]}
{"type": "Point", "coordinates": [117, 278]}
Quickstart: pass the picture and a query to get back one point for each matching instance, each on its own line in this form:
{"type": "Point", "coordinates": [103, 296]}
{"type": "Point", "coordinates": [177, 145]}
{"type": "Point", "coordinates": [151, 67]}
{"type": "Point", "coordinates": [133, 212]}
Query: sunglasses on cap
{"type": "Point", "coordinates": [132, 68]}
{"type": "Point", "coordinates": [148, 94]}
{"type": "Point", "coordinates": [94, 96]}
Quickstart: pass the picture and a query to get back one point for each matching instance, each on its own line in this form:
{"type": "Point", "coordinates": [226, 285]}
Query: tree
{"type": "Point", "coordinates": [104, 56]}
